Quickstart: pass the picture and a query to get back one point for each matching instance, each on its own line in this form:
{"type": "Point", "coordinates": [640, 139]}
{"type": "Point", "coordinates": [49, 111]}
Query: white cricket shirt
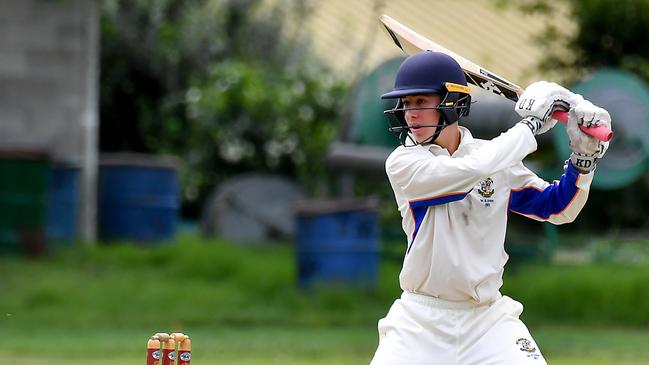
{"type": "Point", "coordinates": [454, 210]}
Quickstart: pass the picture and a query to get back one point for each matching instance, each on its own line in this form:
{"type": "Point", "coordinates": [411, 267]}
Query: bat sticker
{"type": "Point", "coordinates": [489, 74]}
{"type": "Point", "coordinates": [490, 86]}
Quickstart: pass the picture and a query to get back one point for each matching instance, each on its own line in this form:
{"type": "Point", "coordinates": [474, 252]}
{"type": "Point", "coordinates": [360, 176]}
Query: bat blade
{"type": "Point", "coordinates": [412, 42]}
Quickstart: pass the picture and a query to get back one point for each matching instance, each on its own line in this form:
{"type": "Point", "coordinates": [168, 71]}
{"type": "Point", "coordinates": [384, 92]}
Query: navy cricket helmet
{"type": "Point", "coordinates": [429, 73]}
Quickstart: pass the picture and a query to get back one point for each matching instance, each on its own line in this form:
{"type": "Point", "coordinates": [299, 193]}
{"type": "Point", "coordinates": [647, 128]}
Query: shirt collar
{"type": "Point", "coordinates": [466, 141]}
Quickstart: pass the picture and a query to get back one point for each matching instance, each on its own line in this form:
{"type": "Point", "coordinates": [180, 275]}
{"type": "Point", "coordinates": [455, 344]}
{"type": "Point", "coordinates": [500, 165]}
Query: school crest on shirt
{"type": "Point", "coordinates": [526, 345]}
{"type": "Point", "coordinates": [486, 188]}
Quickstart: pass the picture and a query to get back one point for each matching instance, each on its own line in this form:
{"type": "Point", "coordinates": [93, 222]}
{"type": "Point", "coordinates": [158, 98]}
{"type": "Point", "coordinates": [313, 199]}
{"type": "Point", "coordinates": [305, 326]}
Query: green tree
{"type": "Point", "coordinates": [221, 84]}
{"type": "Point", "coordinates": [608, 33]}
{"type": "Point", "coordinates": [249, 116]}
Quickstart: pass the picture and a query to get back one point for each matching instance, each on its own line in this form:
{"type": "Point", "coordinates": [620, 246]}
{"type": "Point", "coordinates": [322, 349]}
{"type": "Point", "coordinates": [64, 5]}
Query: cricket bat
{"type": "Point", "coordinates": [412, 42]}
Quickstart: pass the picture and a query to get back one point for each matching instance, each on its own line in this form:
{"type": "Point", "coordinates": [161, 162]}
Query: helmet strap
{"type": "Point", "coordinates": [443, 123]}
{"type": "Point", "coordinates": [430, 140]}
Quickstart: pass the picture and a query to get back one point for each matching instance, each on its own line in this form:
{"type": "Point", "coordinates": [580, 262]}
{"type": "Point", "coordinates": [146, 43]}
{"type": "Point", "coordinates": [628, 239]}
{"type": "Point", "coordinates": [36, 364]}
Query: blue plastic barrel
{"type": "Point", "coordinates": [337, 242]}
{"type": "Point", "coordinates": [138, 197]}
{"type": "Point", "coordinates": [23, 194]}
{"type": "Point", "coordinates": [62, 204]}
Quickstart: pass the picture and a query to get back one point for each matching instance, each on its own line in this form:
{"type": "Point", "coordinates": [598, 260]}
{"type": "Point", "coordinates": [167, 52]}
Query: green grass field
{"type": "Point", "coordinates": [240, 305]}
{"type": "Point", "coordinates": [292, 346]}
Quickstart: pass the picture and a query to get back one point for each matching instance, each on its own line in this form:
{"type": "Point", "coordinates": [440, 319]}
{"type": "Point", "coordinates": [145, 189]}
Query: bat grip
{"type": "Point", "coordinates": [601, 132]}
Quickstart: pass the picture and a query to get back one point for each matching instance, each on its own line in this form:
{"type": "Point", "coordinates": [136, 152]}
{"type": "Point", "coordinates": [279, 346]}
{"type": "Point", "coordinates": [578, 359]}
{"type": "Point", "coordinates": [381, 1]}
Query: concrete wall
{"type": "Point", "coordinates": [44, 71]}
{"type": "Point", "coordinates": [48, 86]}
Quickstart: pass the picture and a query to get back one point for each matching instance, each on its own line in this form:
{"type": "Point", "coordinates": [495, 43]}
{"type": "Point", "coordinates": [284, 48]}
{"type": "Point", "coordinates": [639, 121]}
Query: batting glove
{"type": "Point", "coordinates": [540, 99]}
{"type": "Point", "coordinates": [586, 150]}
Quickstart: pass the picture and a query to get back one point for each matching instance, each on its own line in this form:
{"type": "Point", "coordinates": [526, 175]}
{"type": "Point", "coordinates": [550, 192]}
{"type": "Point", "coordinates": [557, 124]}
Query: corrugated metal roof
{"type": "Point", "coordinates": [347, 34]}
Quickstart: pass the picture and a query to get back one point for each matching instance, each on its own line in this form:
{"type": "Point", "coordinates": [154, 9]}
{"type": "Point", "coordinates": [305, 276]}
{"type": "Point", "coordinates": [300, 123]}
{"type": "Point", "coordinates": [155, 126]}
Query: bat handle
{"type": "Point", "coordinates": [602, 133]}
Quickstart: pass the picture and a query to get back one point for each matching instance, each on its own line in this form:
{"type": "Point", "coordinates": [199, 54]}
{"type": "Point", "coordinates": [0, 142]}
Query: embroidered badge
{"type": "Point", "coordinates": [486, 188]}
{"type": "Point", "coordinates": [525, 345]}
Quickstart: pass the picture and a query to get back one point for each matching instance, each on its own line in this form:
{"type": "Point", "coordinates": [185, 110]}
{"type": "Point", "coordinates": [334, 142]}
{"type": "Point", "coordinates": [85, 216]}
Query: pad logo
{"type": "Point", "coordinates": [486, 188]}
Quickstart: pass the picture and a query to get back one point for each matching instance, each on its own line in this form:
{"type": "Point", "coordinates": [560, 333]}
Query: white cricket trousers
{"type": "Point", "coordinates": [423, 330]}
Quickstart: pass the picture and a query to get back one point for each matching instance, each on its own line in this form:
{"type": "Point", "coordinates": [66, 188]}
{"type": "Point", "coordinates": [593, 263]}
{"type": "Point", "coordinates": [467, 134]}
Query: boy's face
{"type": "Point", "coordinates": [423, 117]}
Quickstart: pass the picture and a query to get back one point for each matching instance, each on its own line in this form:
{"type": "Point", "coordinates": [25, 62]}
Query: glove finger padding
{"type": "Point", "coordinates": [542, 98]}
{"type": "Point", "coordinates": [580, 142]}
{"type": "Point", "coordinates": [586, 149]}
{"type": "Point", "coordinates": [590, 115]}
{"type": "Point", "coordinates": [585, 113]}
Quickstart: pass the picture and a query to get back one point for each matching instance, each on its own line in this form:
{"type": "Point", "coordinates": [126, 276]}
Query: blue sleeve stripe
{"type": "Point", "coordinates": [420, 207]}
{"type": "Point", "coordinates": [550, 201]}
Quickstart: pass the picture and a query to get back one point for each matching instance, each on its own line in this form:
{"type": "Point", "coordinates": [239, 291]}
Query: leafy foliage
{"type": "Point", "coordinates": [613, 34]}
{"type": "Point", "coordinates": [246, 115]}
{"type": "Point", "coordinates": [221, 84]}
{"type": "Point", "coordinates": [607, 34]}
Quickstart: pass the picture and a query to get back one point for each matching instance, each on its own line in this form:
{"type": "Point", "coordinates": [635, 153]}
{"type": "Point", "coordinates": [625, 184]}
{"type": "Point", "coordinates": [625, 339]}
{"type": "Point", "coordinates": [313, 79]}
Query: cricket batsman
{"type": "Point", "coordinates": [454, 193]}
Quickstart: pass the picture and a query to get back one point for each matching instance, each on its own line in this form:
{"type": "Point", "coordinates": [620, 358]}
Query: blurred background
{"type": "Point", "coordinates": [215, 167]}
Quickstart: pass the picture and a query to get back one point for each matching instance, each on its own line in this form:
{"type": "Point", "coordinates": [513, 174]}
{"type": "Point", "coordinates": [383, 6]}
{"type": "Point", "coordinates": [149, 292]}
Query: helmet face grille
{"type": "Point", "coordinates": [455, 106]}
{"type": "Point", "coordinates": [398, 127]}
{"type": "Point", "coordinates": [452, 108]}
